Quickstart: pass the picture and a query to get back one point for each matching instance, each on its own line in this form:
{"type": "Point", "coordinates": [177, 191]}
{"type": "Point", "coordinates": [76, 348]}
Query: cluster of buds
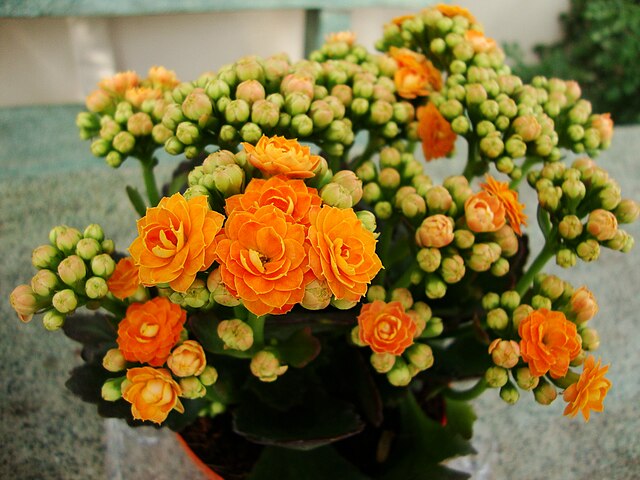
{"type": "Point", "coordinates": [125, 114]}
{"type": "Point", "coordinates": [484, 102]}
{"type": "Point", "coordinates": [585, 206]}
{"type": "Point", "coordinates": [504, 315]}
{"type": "Point", "coordinates": [72, 271]}
{"type": "Point", "coordinates": [400, 362]}
{"type": "Point", "coordinates": [221, 175]}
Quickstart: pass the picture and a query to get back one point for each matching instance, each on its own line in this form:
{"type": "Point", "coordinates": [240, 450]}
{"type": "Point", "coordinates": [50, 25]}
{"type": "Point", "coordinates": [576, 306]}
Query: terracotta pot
{"type": "Point", "coordinates": [204, 468]}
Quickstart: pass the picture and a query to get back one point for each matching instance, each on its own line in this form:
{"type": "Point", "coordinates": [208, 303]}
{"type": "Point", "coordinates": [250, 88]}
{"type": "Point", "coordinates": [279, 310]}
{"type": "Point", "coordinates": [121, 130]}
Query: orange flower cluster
{"type": "Point", "coordinates": [386, 327]}
{"type": "Point", "coordinates": [416, 76]}
{"type": "Point", "coordinates": [278, 155]}
{"type": "Point", "coordinates": [149, 331]}
{"type": "Point", "coordinates": [152, 393]}
{"type": "Point", "coordinates": [548, 342]}
{"type": "Point", "coordinates": [455, 10]}
{"type": "Point", "coordinates": [124, 280]}
{"type": "Point", "coordinates": [176, 240]}
{"type": "Point", "coordinates": [438, 139]}
{"type": "Point", "coordinates": [479, 42]}
{"type": "Point", "coordinates": [514, 210]}
{"type": "Point", "coordinates": [589, 391]}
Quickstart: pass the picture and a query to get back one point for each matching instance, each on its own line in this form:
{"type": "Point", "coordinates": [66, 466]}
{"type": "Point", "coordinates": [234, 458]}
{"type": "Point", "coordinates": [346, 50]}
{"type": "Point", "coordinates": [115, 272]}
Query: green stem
{"type": "Point", "coordinates": [470, 170]}
{"type": "Point", "coordinates": [150, 180]}
{"type": "Point", "coordinates": [526, 166]}
{"type": "Point", "coordinates": [547, 252]}
{"type": "Point", "coordinates": [257, 325]}
{"type": "Point", "coordinates": [468, 394]}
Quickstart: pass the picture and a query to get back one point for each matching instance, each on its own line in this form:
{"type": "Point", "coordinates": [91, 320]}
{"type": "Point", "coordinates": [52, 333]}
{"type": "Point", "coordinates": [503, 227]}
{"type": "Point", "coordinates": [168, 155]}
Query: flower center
{"type": "Point", "coordinates": [149, 330]}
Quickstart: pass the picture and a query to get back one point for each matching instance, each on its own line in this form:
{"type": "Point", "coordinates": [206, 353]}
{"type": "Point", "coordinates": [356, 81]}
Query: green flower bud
{"type": "Point", "coordinates": [66, 239]}
{"type": "Point", "coordinates": [381, 112]}
{"type": "Point", "coordinates": [382, 362]}
{"type": "Point", "coordinates": [438, 199]}
{"type": "Point", "coordinates": [484, 128]}
{"type": "Point", "coordinates": [235, 334]}
{"type": "Point", "coordinates": [574, 189]}
{"type": "Point", "coordinates": [72, 269]}
{"type": "Point", "coordinates": [520, 313]}
{"type": "Point", "coordinates": [609, 196]}
{"type": "Point", "coordinates": [297, 103]}
{"type": "Point", "coordinates": [317, 295]}
{"type": "Point", "coordinates": [371, 193]}
{"type": "Point", "coordinates": [461, 125]}
{"type": "Point", "coordinates": [491, 146]}
{"type": "Point", "coordinates": [250, 132]}
{"type": "Point", "coordinates": [463, 239]}
{"type": "Point", "coordinates": [403, 112]}
{"type": "Point", "coordinates": [46, 256]}
{"type": "Point", "coordinates": [53, 320]}
{"type": "Point", "coordinates": [342, 93]}
{"type": "Point", "coordinates": [188, 133]}
{"type": "Point", "coordinates": [490, 301]}
{"type": "Point", "coordinates": [452, 269]}
{"type": "Point", "coordinates": [539, 301]}
{"type": "Point", "coordinates": [109, 128]}
{"type": "Point", "coordinates": [336, 195]}
{"type": "Point", "coordinates": [497, 319]}
{"type": "Point", "coordinates": [114, 361]}
{"type": "Point", "coordinates": [123, 111]}
{"type": "Point", "coordinates": [114, 159]}
{"type": "Point", "coordinates": [250, 91]}
{"type": "Point", "coordinates": [65, 301]}
{"type": "Point", "coordinates": [389, 178]}
{"type": "Point", "coordinates": [139, 124]}
{"type": "Point", "coordinates": [476, 94]}
{"type": "Point", "coordinates": [525, 379]}
{"type": "Point", "coordinates": [618, 241]}
{"type": "Point", "coordinates": [302, 125]}
{"type": "Point", "coordinates": [219, 292]}
{"type": "Point", "coordinates": [100, 147]}
{"type": "Point", "coordinates": [96, 287]}
{"type": "Point", "coordinates": [544, 393]}
{"type": "Point", "coordinates": [266, 366]}
{"type": "Point", "coordinates": [552, 287]}
{"type": "Point", "coordinates": [589, 250]}
{"type": "Point", "coordinates": [112, 389]}
{"type": "Point", "coordinates": [192, 388]}
{"type": "Point", "coordinates": [209, 376]}
{"type": "Point", "coordinates": [629, 243]}
{"type": "Point", "coordinates": [237, 112]}
{"type": "Point", "coordinates": [249, 68]}
{"type": "Point", "coordinates": [87, 248]}
{"type": "Point", "coordinates": [321, 114]}
{"type": "Point", "coordinates": [527, 127]}
{"type": "Point", "coordinates": [228, 135]}
{"type": "Point", "coordinates": [435, 287]}
{"type": "Point", "coordinates": [627, 211]}
{"type": "Point", "coordinates": [44, 282]}
{"type": "Point", "coordinates": [549, 198]}
{"type": "Point", "coordinates": [217, 89]}
{"type": "Point", "coordinates": [197, 295]}
{"type": "Point", "coordinates": [336, 105]}
{"type": "Point", "coordinates": [570, 227]}
{"type": "Point", "coordinates": [174, 146]}
{"type": "Point", "coordinates": [390, 130]}
{"type": "Point", "coordinates": [413, 205]}
{"type": "Point", "coordinates": [103, 265]}
{"type": "Point", "coordinates": [383, 210]}
{"type": "Point", "coordinates": [515, 147]}
{"type": "Point", "coordinates": [124, 142]}
{"type": "Point", "coordinates": [590, 339]}
{"type": "Point", "coordinates": [376, 292]}
{"type": "Point", "coordinates": [399, 375]}
{"type": "Point", "coordinates": [429, 259]}
{"type": "Point", "coordinates": [496, 377]}
{"type": "Point", "coordinates": [566, 258]}
{"type": "Point", "coordinates": [351, 184]}
{"type": "Point", "coordinates": [509, 393]}
{"type": "Point", "coordinates": [419, 355]}
{"type": "Point", "coordinates": [510, 299]}
{"type": "Point", "coordinates": [360, 107]}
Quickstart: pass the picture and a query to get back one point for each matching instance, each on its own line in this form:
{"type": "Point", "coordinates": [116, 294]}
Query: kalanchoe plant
{"type": "Point", "coordinates": [320, 294]}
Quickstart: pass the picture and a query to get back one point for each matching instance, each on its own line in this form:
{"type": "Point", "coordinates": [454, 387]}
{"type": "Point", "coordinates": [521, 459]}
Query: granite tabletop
{"type": "Point", "coordinates": [48, 177]}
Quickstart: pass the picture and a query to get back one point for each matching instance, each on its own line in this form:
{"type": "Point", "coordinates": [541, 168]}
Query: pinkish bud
{"type": "Point", "coordinates": [583, 305]}
{"type": "Point", "coordinates": [602, 224]}
{"type": "Point", "coordinates": [435, 231]}
{"type": "Point", "coordinates": [504, 353]}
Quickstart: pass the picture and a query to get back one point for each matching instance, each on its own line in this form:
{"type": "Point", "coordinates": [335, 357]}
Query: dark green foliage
{"type": "Point", "coordinates": [600, 50]}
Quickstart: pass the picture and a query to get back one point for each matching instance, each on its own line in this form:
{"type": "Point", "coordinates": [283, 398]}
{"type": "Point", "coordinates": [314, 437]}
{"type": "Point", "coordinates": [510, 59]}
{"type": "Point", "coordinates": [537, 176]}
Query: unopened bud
{"type": "Point", "coordinates": [317, 295]}
{"type": "Point", "coordinates": [509, 393]}
{"type": "Point", "coordinates": [419, 355]}
{"type": "Point", "coordinates": [53, 320]}
{"type": "Point", "coordinates": [72, 269]}
{"type": "Point", "coordinates": [114, 360]}
{"type": "Point", "coordinates": [566, 258]}
{"type": "Point", "coordinates": [237, 112]}
{"type": "Point", "coordinates": [218, 290]}
{"type": "Point", "coordinates": [402, 295]}
{"type": "Point", "coordinates": [67, 239]}
{"type": "Point", "coordinates": [435, 287]}
{"type": "Point", "coordinates": [188, 359]}
{"type": "Point", "coordinates": [46, 256]}
{"type": "Point", "coordinates": [602, 224]}
{"type": "Point", "coordinates": [589, 250]}
{"type": "Point", "coordinates": [399, 375]}
{"type": "Point", "coordinates": [124, 142]}
{"type": "Point", "coordinates": [544, 393]}
{"type": "Point", "coordinates": [496, 377]}
{"type": "Point", "coordinates": [382, 362]}
{"type": "Point", "coordinates": [583, 305]}
{"type": "Point", "coordinates": [235, 334]}
{"type": "Point", "coordinates": [452, 269]}
{"type": "Point", "coordinates": [627, 211]}
{"type": "Point", "coordinates": [192, 388]}
{"type": "Point", "coordinates": [438, 199]}
{"type": "Point", "coordinates": [44, 282]}
{"type": "Point", "coordinates": [570, 227]}
{"type": "Point", "coordinates": [525, 379]}
{"type": "Point", "coordinates": [65, 301]}
{"type": "Point", "coordinates": [368, 220]}
{"type": "Point", "coordinates": [497, 319]}
{"type": "Point", "coordinates": [590, 339]}
{"type": "Point", "coordinates": [266, 366]}
{"type": "Point", "coordinates": [96, 287]}
{"type": "Point", "coordinates": [504, 353]}
{"type": "Point", "coordinates": [87, 248]}
{"type": "Point", "coordinates": [103, 265]}
{"type": "Point", "coordinates": [209, 376]}
{"type": "Point", "coordinates": [112, 389]}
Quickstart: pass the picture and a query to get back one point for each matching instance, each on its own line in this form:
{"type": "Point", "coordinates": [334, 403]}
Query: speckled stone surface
{"type": "Point", "coordinates": [50, 178]}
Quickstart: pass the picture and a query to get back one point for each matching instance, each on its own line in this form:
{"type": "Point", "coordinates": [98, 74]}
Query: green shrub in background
{"type": "Point", "coordinates": [601, 50]}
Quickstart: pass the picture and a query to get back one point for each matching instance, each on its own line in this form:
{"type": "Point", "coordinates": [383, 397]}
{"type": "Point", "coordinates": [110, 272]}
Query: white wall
{"type": "Point", "coordinates": [45, 61]}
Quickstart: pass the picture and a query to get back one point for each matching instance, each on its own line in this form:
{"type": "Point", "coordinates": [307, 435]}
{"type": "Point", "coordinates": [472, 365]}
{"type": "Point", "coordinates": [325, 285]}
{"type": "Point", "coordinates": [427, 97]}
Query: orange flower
{"type": "Point", "coordinates": [160, 77]}
{"type": "Point", "coordinates": [149, 331]}
{"type": "Point", "coordinates": [124, 280]}
{"type": "Point", "coordinates": [401, 19]}
{"type": "Point", "coordinates": [416, 76]}
{"type": "Point", "coordinates": [453, 10]}
{"type": "Point", "coordinates": [176, 240]}
{"type": "Point", "coordinates": [188, 359]}
{"type": "Point", "coordinates": [604, 125]}
{"type": "Point", "coordinates": [293, 197]}
{"type": "Point", "coordinates": [435, 231]}
{"type": "Point", "coordinates": [484, 212]}
{"type": "Point", "coordinates": [385, 327]}
{"type": "Point", "coordinates": [278, 155]}
{"type": "Point", "coordinates": [120, 82]}
{"type": "Point", "coordinates": [262, 260]}
{"type": "Point", "coordinates": [152, 393]}
{"type": "Point", "coordinates": [548, 342]}
{"type": "Point", "coordinates": [137, 95]}
{"type": "Point", "coordinates": [589, 391]}
{"type": "Point", "coordinates": [347, 37]}
{"type": "Point", "coordinates": [479, 42]}
{"type": "Point", "coordinates": [342, 252]}
{"type": "Point", "coordinates": [438, 139]}
{"type": "Point", "coordinates": [509, 198]}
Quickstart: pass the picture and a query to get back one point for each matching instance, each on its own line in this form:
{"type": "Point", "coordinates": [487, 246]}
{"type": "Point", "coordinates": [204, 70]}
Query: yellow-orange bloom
{"type": "Point", "coordinates": [120, 82]}
{"type": "Point", "coordinates": [347, 37]}
{"type": "Point", "coordinates": [176, 240]}
{"type": "Point", "coordinates": [401, 19]}
{"type": "Point", "coordinates": [263, 260]}
{"type": "Point", "coordinates": [137, 95]}
{"type": "Point", "coordinates": [160, 77]}
{"type": "Point", "coordinates": [188, 359]}
{"type": "Point", "coordinates": [386, 327]}
{"type": "Point", "coordinates": [479, 42]}
{"type": "Point", "coordinates": [589, 391]}
{"type": "Point", "coordinates": [509, 198]}
{"type": "Point", "coordinates": [292, 196]}
{"type": "Point", "coordinates": [149, 331]}
{"type": "Point", "coordinates": [279, 155]}
{"type": "Point", "coordinates": [484, 212]}
{"type": "Point", "coordinates": [343, 252]}
{"type": "Point", "coordinates": [604, 125]}
{"type": "Point", "coordinates": [453, 10]}
{"type": "Point", "coordinates": [438, 138]}
{"type": "Point", "coordinates": [548, 342]}
{"type": "Point", "coordinates": [124, 280]}
{"type": "Point", "coordinates": [416, 76]}
{"type": "Point", "coordinates": [152, 393]}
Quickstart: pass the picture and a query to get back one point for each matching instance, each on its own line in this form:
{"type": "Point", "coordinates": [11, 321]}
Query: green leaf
{"type": "Point", "coordinates": [90, 329]}
{"type": "Point", "coordinates": [318, 464]}
{"type": "Point", "coordinates": [421, 445]}
{"type": "Point", "coordinates": [136, 200]}
{"type": "Point", "coordinates": [367, 393]}
{"type": "Point", "coordinates": [287, 392]}
{"type": "Point", "coordinates": [460, 417]}
{"type": "Point", "coordinates": [176, 421]}
{"type": "Point", "coordinates": [300, 348]}
{"type": "Point", "coordinates": [317, 421]}
{"type": "Point", "coordinates": [464, 357]}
